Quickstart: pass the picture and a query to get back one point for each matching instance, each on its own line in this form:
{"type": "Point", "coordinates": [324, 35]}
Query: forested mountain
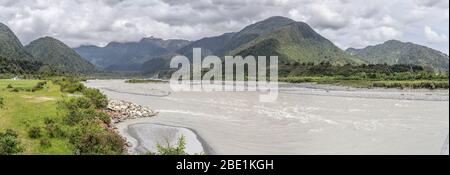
{"type": "Point", "coordinates": [58, 55]}
{"type": "Point", "coordinates": [278, 36]}
{"type": "Point", "coordinates": [10, 46]}
{"type": "Point", "coordinates": [129, 56]}
{"type": "Point", "coordinates": [397, 52]}
{"type": "Point", "coordinates": [10, 66]}
{"type": "Point", "coordinates": [290, 40]}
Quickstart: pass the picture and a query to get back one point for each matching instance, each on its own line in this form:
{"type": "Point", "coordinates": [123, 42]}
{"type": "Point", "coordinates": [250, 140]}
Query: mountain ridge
{"type": "Point", "coordinates": [55, 53]}
{"type": "Point", "coordinates": [10, 45]}
{"type": "Point", "coordinates": [129, 56]}
{"type": "Point", "coordinates": [398, 52]}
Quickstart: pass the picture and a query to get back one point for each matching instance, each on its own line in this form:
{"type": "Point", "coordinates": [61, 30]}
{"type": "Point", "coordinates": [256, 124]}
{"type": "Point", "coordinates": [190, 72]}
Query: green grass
{"type": "Point", "coordinates": [25, 109]}
{"type": "Point", "coordinates": [18, 83]}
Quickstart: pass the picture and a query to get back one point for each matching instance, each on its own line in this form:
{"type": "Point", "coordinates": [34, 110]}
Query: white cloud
{"type": "Point", "coordinates": [348, 23]}
{"type": "Point", "coordinates": [433, 36]}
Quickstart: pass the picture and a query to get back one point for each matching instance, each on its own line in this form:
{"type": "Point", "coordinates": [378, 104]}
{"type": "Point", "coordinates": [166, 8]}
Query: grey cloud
{"type": "Point", "coordinates": [348, 23]}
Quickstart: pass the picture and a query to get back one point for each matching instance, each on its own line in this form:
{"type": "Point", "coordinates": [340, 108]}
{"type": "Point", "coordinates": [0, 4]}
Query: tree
{"type": "Point", "coordinates": [171, 150]}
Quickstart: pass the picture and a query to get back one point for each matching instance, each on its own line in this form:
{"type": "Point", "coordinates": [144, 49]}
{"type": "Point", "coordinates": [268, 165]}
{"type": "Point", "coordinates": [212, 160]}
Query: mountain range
{"type": "Point", "coordinates": [278, 36]}
{"type": "Point", "coordinates": [129, 56]}
{"type": "Point", "coordinates": [43, 51]}
{"type": "Point", "coordinates": [291, 41]}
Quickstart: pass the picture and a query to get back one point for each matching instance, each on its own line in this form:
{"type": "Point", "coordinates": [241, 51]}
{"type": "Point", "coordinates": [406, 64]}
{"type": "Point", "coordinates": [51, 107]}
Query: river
{"type": "Point", "coordinates": [305, 119]}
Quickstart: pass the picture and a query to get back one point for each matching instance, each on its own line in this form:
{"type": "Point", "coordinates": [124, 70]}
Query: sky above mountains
{"type": "Point", "coordinates": [348, 23]}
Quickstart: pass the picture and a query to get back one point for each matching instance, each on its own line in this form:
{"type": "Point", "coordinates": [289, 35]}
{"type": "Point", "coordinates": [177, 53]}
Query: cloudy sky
{"type": "Point", "coordinates": [348, 23]}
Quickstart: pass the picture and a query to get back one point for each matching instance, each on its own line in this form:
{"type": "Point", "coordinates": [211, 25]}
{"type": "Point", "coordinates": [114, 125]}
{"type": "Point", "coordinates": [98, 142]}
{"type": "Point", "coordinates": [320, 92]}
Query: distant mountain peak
{"type": "Point", "coordinates": [151, 39]}
{"type": "Point", "coordinates": [267, 25]}
{"type": "Point", "coordinates": [49, 39]}
{"type": "Point", "coordinates": [278, 19]}
{"type": "Point", "coordinates": [399, 52]}
{"type": "Point", "coordinates": [393, 41]}
{"type": "Point", "coordinates": [10, 45]}
{"type": "Point", "coordinates": [55, 53]}
{"type": "Point", "coordinates": [114, 54]}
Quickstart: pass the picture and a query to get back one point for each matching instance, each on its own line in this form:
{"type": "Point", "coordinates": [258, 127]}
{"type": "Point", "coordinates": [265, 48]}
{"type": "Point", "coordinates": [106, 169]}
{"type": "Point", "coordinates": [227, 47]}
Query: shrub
{"type": "Point", "coordinates": [72, 87]}
{"type": "Point", "coordinates": [9, 86]}
{"type": "Point", "coordinates": [1, 102]}
{"type": "Point", "coordinates": [69, 85]}
{"type": "Point", "coordinates": [45, 143]}
{"type": "Point", "coordinates": [81, 108]}
{"type": "Point", "coordinates": [49, 120]}
{"type": "Point", "coordinates": [97, 98]}
{"type": "Point", "coordinates": [14, 90]}
{"type": "Point", "coordinates": [53, 129]}
{"type": "Point", "coordinates": [35, 132]}
{"type": "Point", "coordinates": [172, 150]}
{"type": "Point", "coordinates": [105, 118]}
{"type": "Point", "coordinates": [75, 103]}
{"type": "Point", "coordinates": [39, 86]}
{"type": "Point", "coordinates": [79, 115]}
{"type": "Point", "coordinates": [9, 143]}
{"type": "Point", "coordinates": [90, 139]}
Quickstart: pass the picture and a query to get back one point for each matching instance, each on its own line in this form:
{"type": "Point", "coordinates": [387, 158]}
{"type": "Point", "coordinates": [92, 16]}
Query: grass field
{"type": "Point", "coordinates": [24, 109]}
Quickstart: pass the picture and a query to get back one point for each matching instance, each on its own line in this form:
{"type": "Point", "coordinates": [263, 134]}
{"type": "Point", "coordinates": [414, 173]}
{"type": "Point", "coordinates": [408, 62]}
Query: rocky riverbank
{"type": "Point", "coordinates": [143, 137]}
{"type": "Point", "coordinates": [122, 110]}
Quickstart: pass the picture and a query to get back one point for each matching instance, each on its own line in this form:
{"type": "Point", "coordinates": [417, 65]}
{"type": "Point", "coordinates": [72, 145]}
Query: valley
{"type": "Point", "coordinates": [390, 98]}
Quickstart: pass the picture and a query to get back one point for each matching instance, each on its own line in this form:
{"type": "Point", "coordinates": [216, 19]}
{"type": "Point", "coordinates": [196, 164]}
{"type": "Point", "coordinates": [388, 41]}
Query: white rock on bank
{"type": "Point", "coordinates": [121, 111]}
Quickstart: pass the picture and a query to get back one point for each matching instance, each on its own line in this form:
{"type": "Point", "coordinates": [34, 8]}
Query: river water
{"type": "Point", "coordinates": [305, 119]}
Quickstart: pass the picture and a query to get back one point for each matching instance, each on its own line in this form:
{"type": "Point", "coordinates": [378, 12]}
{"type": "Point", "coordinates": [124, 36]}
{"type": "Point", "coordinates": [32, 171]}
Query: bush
{"type": "Point", "coordinates": [172, 150]}
{"type": "Point", "coordinates": [77, 109]}
{"type": "Point", "coordinates": [69, 85]}
{"type": "Point", "coordinates": [9, 86]}
{"type": "Point", "coordinates": [105, 118]}
{"type": "Point", "coordinates": [91, 139]}
{"type": "Point", "coordinates": [39, 86]}
{"type": "Point", "coordinates": [81, 108]}
{"type": "Point", "coordinates": [79, 115]}
{"type": "Point", "coordinates": [97, 98]}
{"type": "Point", "coordinates": [14, 90]}
{"type": "Point", "coordinates": [72, 87]}
{"type": "Point", "coordinates": [53, 129]}
{"type": "Point", "coordinates": [9, 143]}
{"type": "Point", "coordinates": [35, 132]}
{"type": "Point", "coordinates": [49, 120]}
{"type": "Point", "coordinates": [2, 103]}
{"type": "Point", "coordinates": [45, 143]}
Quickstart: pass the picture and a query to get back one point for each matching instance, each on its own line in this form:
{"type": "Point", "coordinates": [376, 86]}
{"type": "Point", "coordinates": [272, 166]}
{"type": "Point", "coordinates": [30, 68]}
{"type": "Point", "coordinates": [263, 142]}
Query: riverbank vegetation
{"type": "Point", "coordinates": [367, 76]}
{"type": "Point", "coordinates": [144, 81]}
{"type": "Point", "coordinates": [55, 116]}
{"type": "Point", "coordinates": [178, 149]}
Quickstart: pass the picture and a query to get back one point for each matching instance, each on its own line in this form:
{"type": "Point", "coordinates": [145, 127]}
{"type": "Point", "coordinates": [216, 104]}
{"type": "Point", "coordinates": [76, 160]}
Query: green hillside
{"type": "Point", "coordinates": [291, 41]}
{"type": "Point", "coordinates": [10, 46]}
{"type": "Point", "coordinates": [297, 42]}
{"type": "Point", "coordinates": [397, 52]}
{"type": "Point", "coordinates": [58, 55]}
